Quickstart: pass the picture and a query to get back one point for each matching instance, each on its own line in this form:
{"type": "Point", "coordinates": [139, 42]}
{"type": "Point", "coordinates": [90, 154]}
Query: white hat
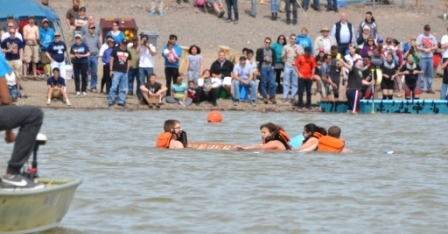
{"type": "Point", "coordinates": [78, 35]}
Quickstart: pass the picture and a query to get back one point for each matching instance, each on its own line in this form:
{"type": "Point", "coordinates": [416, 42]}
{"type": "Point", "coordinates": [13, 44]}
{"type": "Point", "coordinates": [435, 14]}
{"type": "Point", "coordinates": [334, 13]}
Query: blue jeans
{"type": "Point", "coordinates": [119, 81]}
{"type": "Point", "coordinates": [253, 89]}
{"type": "Point", "coordinates": [315, 3]}
{"type": "Point", "coordinates": [267, 75]}
{"type": "Point", "coordinates": [230, 4]}
{"type": "Point", "coordinates": [426, 64]}
{"type": "Point", "coordinates": [274, 6]}
{"type": "Point", "coordinates": [133, 74]}
{"type": "Point", "coordinates": [145, 72]}
{"type": "Point", "coordinates": [332, 4]}
{"type": "Point", "coordinates": [290, 80]}
{"type": "Point", "coordinates": [444, 92]}
{"type": "Point", "coordinates": [253, 10]}
{"type": "Point", "coordinates": [93, 66]}
{"type": "Point", "coordinates": [13, 91]}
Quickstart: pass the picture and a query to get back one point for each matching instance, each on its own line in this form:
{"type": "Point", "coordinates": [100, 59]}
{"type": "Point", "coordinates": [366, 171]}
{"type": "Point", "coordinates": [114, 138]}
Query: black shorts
{"type": "Point", "coordinates": [387, 84]}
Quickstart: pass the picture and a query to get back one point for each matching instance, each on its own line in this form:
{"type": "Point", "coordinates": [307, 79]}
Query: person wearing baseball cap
{"type": "Point", "coordinates": [31, 40]}
{"type": "Point", "coordinates": [243, 75]}
{"type": "Point", "coordinates": [56, 54]}
{"type": "Point", "coordinates": [93, 42]}
{"type": "Point", "coordinates": [79, 54]}
{"type": "Point", "coordinates": [119, 68]}
{"type": "Point", "coordinates": [46, 36]}
{"type": "Point", "coordinates": [426, 44]}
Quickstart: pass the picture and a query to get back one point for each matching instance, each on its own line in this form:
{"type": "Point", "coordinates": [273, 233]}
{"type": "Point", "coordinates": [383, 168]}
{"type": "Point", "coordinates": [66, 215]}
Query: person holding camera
{"type": "Point", "coordinates": [146, 63]}
{"type": "Point", "coordinates": [413, 51]}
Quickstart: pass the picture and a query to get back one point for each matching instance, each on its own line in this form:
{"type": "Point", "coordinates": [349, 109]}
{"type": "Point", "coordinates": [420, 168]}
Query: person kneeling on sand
{"type": "Point", "coordinates": [56, 87]}
{"type": "Point", "coordinates": [173, 136]}
{"type": "Point", "coordinates": [273, 138]}
{"type": "Point", "coordinates": [179, 93]}
{"type": "Point", "coordinates": [153, 92]}
{"type": "Point", "coordinates": [207, 88]}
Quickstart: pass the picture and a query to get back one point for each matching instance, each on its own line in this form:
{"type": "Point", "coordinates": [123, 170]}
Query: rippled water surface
{"type": "Point", "coordinates": [131, 187]}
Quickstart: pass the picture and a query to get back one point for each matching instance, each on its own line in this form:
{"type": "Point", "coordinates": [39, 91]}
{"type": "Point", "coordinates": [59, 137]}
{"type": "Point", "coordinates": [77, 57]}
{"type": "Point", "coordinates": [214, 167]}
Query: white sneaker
{"type": "Point", "coordinates": [84, 94]}
{"type": "Point", "coordinates": [49, 102]}
{"type": "Point", "coordinates": [78, 93]}
{"type": "Point", "coordinates": [68, 102]}
{"type": "Point", "coordinates": [444, 16]}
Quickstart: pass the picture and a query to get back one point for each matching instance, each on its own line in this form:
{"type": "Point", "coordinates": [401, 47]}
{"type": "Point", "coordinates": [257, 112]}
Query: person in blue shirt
{"type": "Point", "coordinates": [79, 54]}
{"type": "Point", "coordinates": [172, 53]}
{"type": "Point", "coordinates": [56, 53]}
{"type": "Point", "coordinates": [107, 80]}
{"type": "Point", "coordinates": [56, 87]}
{"type": "Point", "coordinates": [180, 93]}
{"type": "Point", "coordinates": [116, 34]}
{"type": "Point", "coordinates": [12, 47]}
{"type": "Point", "coordinates": [28, 119]}
{"type": "Point", "coordinates": [46, 37]}
{"type": "Point", "coordinates": [304, 40]}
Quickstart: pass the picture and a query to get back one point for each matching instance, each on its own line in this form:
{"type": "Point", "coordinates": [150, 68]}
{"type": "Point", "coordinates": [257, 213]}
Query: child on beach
{"type": "Point", "coordinates": [194, 64]}
{"type": "Point", "coordinates": [171, 53]}
{"type": "Point", "coordinates": [411, 70]}
{"type": "Point", "coordinates": [180, 93]}
{"type": "Point", "coordinates": [192, 90]}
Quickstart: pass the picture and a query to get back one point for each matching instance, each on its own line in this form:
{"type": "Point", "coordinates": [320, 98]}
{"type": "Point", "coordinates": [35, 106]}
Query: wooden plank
{"type": "Point", "coordinates": [210, 146]}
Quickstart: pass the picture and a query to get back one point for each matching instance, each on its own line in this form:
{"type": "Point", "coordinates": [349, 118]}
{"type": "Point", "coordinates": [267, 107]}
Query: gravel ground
{"type": "Point", "coordinates": [194, 26]}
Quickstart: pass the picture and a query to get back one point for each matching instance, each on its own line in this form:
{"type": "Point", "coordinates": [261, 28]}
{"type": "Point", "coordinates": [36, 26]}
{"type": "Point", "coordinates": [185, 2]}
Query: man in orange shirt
{"type": "Point", "coordinates": [305, 66]}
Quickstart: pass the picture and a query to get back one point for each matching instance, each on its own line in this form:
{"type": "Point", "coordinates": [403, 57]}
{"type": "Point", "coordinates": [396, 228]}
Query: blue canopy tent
{"type": "Point", "coordinates": [21, 9]}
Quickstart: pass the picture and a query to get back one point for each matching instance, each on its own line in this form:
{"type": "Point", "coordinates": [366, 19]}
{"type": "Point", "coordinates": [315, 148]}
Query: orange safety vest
{"type": "Point", "coordinates": [163, 141]}
{"type": "Point", "coordinates": [283, 138]}
{"type": "Point", "coordinates": [329, 143]}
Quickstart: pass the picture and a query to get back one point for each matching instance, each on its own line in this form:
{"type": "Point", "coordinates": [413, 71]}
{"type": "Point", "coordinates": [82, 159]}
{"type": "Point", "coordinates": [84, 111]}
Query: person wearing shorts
{"type": "Point", "coordinates": [12, 48]}
{"type": "Point", "coordinates": [31, 39]}
{"type": "Point", "coordinates": [222, 68]}
{"type": "Point", "coordinates": [411, 70]}
{"type": "Point", "coordinates": [46, 36]}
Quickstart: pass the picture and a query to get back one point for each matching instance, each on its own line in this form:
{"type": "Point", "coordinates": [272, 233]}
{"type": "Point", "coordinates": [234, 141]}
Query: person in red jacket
{"type": "Point", "coordinates": [305, 66]}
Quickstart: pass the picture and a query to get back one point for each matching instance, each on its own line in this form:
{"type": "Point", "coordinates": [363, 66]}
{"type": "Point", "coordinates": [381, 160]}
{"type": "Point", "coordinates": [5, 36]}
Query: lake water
{"type": "Point", "coordinates": [129, 186]}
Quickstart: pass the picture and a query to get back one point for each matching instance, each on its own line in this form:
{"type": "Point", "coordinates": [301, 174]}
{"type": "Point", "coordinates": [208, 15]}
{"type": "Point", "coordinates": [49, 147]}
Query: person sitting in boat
{"type": "Point", "coordinates": [273, 137]}
{"type": "Point", "coordinates": [311, 133]}
{"type": "Point", "coordinates": [173, 137]}
{"type": "Point", "coordinates": [28, 119]}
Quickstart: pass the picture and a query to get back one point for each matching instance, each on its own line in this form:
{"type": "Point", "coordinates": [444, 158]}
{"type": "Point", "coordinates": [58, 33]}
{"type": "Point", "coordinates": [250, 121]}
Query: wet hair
{"type": "Point", "coordinates": [169, 124]}
{"type": "Point", "coordinates": [284, 39]}
{"type": "Point", "coordinates": [273, 128]}
{"type": "Point", "coordinates": [334, 131]}
{"type": "Point", "coordinates": [197, 48]}
{"type": "Point", "coordinates": [312, 128]}
{"type": "Point", "coordinates": [172, 36]}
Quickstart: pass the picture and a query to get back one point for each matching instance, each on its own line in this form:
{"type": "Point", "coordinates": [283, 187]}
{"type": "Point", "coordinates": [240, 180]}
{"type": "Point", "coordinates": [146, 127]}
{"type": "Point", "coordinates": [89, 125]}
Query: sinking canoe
{"type": "Point", "coordinates": [36, 210]}
{"type": "Point", "coordinates": [210, 146]}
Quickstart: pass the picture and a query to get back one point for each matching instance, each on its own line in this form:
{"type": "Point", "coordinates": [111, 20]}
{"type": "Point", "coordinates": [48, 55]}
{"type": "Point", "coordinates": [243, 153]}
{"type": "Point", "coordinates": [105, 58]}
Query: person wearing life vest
{"type": "Point", "coordinates": [311, 133]}
{"type": "Point", "coordinates": [173, 136]}
{"type": "Point", "coordinates": [273, 138]}
{"type": "Point", "coordinates": [332, 141]}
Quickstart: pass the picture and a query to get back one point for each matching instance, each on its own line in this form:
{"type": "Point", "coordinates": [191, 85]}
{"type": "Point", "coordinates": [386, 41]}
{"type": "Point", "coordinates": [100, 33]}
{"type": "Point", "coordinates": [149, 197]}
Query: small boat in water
{"type": "Point", "coordinates": [36, 210]}
{"type": "Point", "coordinates": [390, 106]}
{"type": "Point", "coordinates": [30, 211]}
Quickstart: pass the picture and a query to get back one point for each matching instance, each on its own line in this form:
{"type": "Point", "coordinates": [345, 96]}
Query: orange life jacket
{"type": "Point", "coordinates": [163, 141]}
{"type": "Point", "coordinates": [283, 138]}
{"type": "Point", "coordinates": [329, 143]}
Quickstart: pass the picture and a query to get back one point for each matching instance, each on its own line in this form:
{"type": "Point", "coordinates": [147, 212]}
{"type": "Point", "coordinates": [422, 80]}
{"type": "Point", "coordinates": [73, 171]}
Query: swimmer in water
{"type": "Point", "coordinates": [273, 138]}
{"type": "Point", "coordinates": [173, 137]}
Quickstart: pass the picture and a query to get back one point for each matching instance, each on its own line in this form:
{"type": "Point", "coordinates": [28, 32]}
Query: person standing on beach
{"type": "Point", "coordinates": [332, 5]}
{"type": "Point", "coordinates": [119, 65]}
{"type": "Point", "coordinates": [171, 64]}
{"type": "Point", "coordinates": [315, 5]}
{"type": "Point", "coordinates": [133, 73]}
{"type": "Point", "coordinates": [12, 47]}
{"type": "Point", "coordinates": [274, 9]}
{"type": "Point", "coordinates": [305, 67]}
{"type": "Point", "coordinates": [290, 80]}
{"type": "Point", "coordinates": [288, 5]}
{"type": "Point", "coordinates": [369, 21]}
{"type": "Point", "coordinates": [105, 57]}
{"type": "Point", "coordinates": [194, 64]}
{"type": "Point", "coordinates": [344, 33]}
{"type": "Point", "coordinates": [97, 31]}
{"type": "Point", "coordinates": [153, 7]}
{"type": "Point", "coordinates": [146, 62]}
{"type": "Point", "coordinates": [46, 37]}
{"type": "Point", "coordinates": [426, 43]}
{"type": "Point", "coordinates": [31, 38]}
{"type": "Point", "coordinates": [79, 54]}
{"type": "Point", "coordinates": [266, 59]}
{"type": "Point", "coordinates": [93, 42]}
{"type": "Point", "coordinates": [232, 4]}
{"type": "Point", "coordinates": [28, 119]}
{"type": "Point", "coordinates": [56, 53]}
{"type": "Point", "coordinates": [325, 41]}
{"type": "Point", "coordinates": [70, 18]}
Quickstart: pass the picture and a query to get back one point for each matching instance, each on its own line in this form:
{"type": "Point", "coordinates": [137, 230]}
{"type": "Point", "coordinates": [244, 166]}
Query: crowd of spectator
{"type": "Point", "coordinates": [287, 66]}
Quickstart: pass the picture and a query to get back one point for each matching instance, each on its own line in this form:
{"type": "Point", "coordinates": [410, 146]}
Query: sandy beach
{"type": "Point", "coordinates": [194, 26]}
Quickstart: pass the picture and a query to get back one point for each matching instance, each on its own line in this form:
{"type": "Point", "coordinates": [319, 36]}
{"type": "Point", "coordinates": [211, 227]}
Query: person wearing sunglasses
{"type": "Point", "coordinates": [266, 58]}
